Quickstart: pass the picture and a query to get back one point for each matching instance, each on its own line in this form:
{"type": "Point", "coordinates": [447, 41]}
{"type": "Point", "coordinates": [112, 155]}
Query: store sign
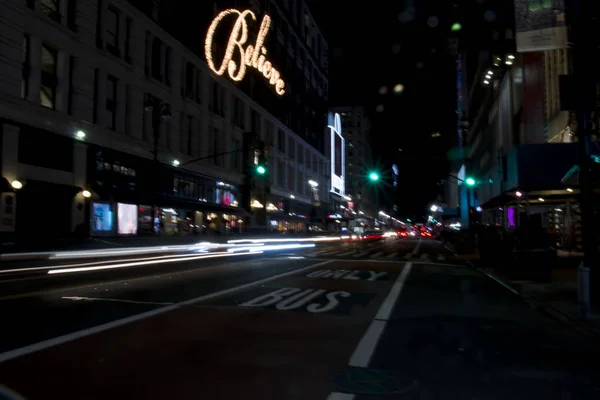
{"type": "Point", "coordinates": [238, 54]}
{"type": "Point", "coordinates": [338, 161]}
{"type": "Point", "coordinates": [541, 25]}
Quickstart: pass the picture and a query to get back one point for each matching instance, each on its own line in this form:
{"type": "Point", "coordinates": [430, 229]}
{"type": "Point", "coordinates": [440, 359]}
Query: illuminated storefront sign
{"type": "Point", "coordinates": [238, 56]}
{"type": "Point", "coordinates": [338, 159]}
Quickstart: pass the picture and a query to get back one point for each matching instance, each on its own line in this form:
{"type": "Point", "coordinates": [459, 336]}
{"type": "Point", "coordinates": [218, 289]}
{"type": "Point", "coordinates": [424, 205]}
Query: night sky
{"type": "Point", "coordinates": [384, 45]}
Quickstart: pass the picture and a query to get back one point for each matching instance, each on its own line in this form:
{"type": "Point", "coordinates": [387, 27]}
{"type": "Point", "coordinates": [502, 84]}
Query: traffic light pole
{"type": "Point", "coordinates": [584, 51]}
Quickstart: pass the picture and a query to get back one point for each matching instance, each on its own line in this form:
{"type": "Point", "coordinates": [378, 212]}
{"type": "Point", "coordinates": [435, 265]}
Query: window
{"type": "Point", "coordinates": [281, 141]}
{"type": "Point", "coordinates": [291, 148]}
{"type": "Point", "coordinates": [280, 174]}
{"type": "Point", "coordinates": [190, 135]}
{"type": "Point", "coordinates": [111, 102]}
{"type": "Point", "coordinates": [129, 109]}
{"type": "Point", "coordinates": [300, 155]}
{"type": "Point", "coordinates": [189, 80]}
{"type": "Point", "coordinates": [156, 59]}
{"type": "Point", "coordinates": [128, 23]}
{"type": "Point", "coordinates": [71, 88]}
{"type": "Point", "coordinates": [291, 176]}
{"type": "Point", "coordinates": [237, 156]}
{"type": "Point", "coordinates": [112, 31]}
{"type": "Point", "coordinates": [51, 8]}
{"type": "Point", "coordinates": [255, 121]}
{"type": "Point", "coordinates": [72, 15]}
{"type": "Point", "coordinates": [198, 97]}
{"type": "Point", "coordinates": [25, 67]}
{"type": "Point", "coordinates": [167, 70]}
{"type": "Point", "coordinates": [49, 79]}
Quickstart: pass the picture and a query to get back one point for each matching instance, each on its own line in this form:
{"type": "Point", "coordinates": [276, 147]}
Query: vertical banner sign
{"type": "Point", "coordinates": [337, 154]}
{"type": "Point", "coordinates": [8, 212]}
{"type": "Point", "coordinates": [533, 97]}
{"type": "Point", "coordinates": [540, 25]}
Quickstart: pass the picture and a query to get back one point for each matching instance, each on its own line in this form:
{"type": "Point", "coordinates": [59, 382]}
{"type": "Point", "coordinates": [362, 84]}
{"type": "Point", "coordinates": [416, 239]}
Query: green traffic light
{"type": "Point", "coordinates": [373, 176]}
{"type": "Point", "coordinates": [470, 181]}
{"type": "Point", "coordinates": [261, 170]}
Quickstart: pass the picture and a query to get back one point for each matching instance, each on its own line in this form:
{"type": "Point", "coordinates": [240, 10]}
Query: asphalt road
{"type": "Point", "coordinates": [336, 322]}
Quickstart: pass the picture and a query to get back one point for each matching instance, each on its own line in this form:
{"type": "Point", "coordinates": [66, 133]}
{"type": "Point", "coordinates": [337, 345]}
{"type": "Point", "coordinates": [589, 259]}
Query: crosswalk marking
{"type": "Point", "coordinates": [408, 256]}
{"type": "Point", "coordinates": [424, 256]}
{"type": "Point", "coordinates": [372, 253]}
{"type": "Point", "coordinates": [441, 257]}
{"type": "Point", "coordinates": [347, 253]}
{"type": "Point", "coordinates": [392, 255]}
{"type": "Point", "coordinates": [364, 253]}
{"type": "Point", "coordinates": [379, 253]}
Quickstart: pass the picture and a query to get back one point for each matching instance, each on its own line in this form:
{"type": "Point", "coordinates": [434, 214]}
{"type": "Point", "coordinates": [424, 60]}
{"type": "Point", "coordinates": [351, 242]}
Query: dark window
{"type": "Point", "coordinates": [51, 8]}
{"type": "Point", "coordinates": [128, 40]}
{"type": "Point", "coordinates": [71, 88]}
{"type": "Point", "coordinates": [72, 15]}
{"type": "Point", "coordinates": [96, 93]}
{"type": "Point", "coordinates": [49, 79]}
{"type": "Point", "coordinates": [190, 126]}
{"type": "Point", "coordinates": [26, 67]}
{"type": "Point", "coordinates": [112, 31]}
{"type": "Point", "coordinates": [189, 80]}
{"type": "Point", "coordinates": [111, 102]}
{"type": "Point", "coordinates": [156, 59]}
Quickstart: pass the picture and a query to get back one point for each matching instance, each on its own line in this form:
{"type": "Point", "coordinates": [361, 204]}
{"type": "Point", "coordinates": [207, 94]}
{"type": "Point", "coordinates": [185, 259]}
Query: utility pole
{"type": "Point", "coordinates": [584, 55]}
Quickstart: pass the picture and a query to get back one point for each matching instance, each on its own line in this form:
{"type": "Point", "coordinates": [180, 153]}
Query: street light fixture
{"type": "Point", "coordinates": [373, 176]}
{"type": "Point", "coordinates": [16, 185]}
{"type": "Point", "coordinates": [313, 183]}
{"type": "Point", "coordinates": [86, 193]}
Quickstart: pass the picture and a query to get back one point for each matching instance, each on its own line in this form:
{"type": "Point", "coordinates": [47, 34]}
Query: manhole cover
{"type": "Point", "coordinates": [373, 382]}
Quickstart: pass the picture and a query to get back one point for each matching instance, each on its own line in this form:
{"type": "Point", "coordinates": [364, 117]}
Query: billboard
{"type": "Point", "coordinates": [540, 25]}
{"type": "Point", "coordinates": [337, 154]}
{"type": "Point", "coordinates": [127, 216]}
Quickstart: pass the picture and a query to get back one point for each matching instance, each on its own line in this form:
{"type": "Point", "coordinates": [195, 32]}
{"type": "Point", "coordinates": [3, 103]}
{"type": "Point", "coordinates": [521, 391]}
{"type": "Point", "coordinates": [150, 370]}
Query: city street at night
{"type": "Point", "coordinates": [291, 323]}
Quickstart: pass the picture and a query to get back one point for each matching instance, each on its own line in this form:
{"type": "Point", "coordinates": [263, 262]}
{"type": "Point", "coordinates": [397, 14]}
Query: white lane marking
{"type": "Point", "coordinates": [367, 345]}
{"type": "Point", "coordinates": [32, 348]}
{"type": "Point", "coordinates": [346, 253]}
{"type": "Point", "coordinates": [379, 253]}
{"type": "Point", "coordinates": [498, 280]}
{"type": "Point", "coordinates": [385, 311]}
{"type": "Point", "coordinates": [340, 396]}
{"type": "Point", "coordinates": [78, 298]}
{"type": "Point", "coordinates": [424, 256]}
{"type": "Point", "coordinates": [33, 269]}
{"type": "Point", "coordinates": [391, 255]}
{"type": "Point", "coordinates": [417, 247]}
{"type": "Point", "coordinates": [364, 253]}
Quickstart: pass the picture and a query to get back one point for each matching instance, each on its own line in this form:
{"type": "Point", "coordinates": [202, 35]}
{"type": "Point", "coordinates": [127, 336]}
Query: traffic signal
{"type": "Point", "coordinates": [373, 176]}
{"type": "Point", "coordinates": [470, 181]}
{"type": "Point", "coordinates": [261, 166]}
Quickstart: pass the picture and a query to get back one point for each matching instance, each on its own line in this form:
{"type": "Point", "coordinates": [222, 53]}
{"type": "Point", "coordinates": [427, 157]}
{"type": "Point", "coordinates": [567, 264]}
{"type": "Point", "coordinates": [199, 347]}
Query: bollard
{"type": "Point", "coordinates": [583, 286]}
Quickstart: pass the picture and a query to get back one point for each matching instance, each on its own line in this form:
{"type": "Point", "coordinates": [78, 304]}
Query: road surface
{"type": "Point", "coordinates": [332, 322]}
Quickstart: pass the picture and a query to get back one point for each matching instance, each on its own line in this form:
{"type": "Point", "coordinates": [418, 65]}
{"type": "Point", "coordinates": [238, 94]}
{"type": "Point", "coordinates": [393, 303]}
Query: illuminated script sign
{"type": "Point", "coordinates": [239, 56]}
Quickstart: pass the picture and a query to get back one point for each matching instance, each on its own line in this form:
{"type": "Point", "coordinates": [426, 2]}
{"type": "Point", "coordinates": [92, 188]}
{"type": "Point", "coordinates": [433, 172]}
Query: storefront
{"type": "Point", "coordinates": [135, 196]}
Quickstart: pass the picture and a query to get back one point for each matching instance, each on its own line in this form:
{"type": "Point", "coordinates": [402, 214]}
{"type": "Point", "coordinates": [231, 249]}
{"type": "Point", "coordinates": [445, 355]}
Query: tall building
{"type": "Point", "coordinates": [520, 138]}
{"type": "Point", "coordinates": [358, 158]}
{"type": "Point", "coordinates": [109, 111]}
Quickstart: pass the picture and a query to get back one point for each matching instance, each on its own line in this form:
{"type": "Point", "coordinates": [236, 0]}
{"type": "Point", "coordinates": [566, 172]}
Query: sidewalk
{"type": "Point", "coordinates": [556, 295]}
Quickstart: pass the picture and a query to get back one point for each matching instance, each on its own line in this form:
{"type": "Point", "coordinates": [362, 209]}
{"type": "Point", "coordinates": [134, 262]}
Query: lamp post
{"type": "Point", "coordinates": [160, 112]}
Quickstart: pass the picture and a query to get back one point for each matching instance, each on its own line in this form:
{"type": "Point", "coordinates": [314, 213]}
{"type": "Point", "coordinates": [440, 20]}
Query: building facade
{"type": "Point", "coordinates": [111, 125]}
{"type": "Point", "coordinates": [359, 197]}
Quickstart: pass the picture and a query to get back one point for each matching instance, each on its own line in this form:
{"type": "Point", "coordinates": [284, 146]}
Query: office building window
{"type": "Point", "coordinates": [190, 135]}
{"type": "Point", "coordinates": [49, 78]}
{"type": "Point", "coordinates": [51, 8]}
{"type": "Point", "coordinates": [128, 23]}
{"type": "Point", "coordinates": [25, 67]}
{"type": "Point", "coordinates": [111, 102]}
{"type": "Point", "coordinates": [112, 31]}
{"type": "Point", "coordinates": [281, 141]}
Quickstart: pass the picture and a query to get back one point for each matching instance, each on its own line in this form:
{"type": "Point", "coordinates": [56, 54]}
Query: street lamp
{"type": "Point", "coordinates": [86, 193]}
{"type": "Point", "coordinates": [373, 176]}
{"type": "Point", "coordinates": [16, 185]}
{"type": "Point", "coordinates": [160, 112]}
{"type": "Point", "coordinates": [313, 183]}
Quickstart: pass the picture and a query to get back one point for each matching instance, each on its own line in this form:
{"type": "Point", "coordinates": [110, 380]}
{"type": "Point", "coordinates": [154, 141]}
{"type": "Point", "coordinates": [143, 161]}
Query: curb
{"type": "Point", "coordinates": [551, 311]}
{"type": "Point", "coordinates": [24, 256]}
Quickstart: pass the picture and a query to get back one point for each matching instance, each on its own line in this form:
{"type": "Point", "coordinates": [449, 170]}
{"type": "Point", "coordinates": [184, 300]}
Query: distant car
{"type": "Point", "coordinates": [372, 235]}
{"type": "Point", "coordinates": [351, 237]}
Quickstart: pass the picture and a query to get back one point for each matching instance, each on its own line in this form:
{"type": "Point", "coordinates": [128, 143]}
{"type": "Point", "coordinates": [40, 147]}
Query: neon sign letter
{"type": "Point", "coordinates": [237, 58]}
